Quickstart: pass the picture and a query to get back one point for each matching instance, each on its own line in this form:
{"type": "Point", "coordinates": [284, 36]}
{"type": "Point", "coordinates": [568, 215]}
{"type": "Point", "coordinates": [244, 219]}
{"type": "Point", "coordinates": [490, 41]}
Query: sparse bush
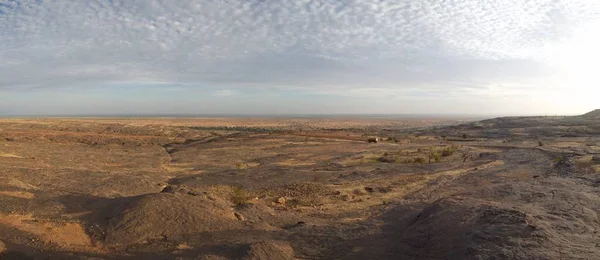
{"type": "Point", "coordinates": [239, 196]}
{"type": "Point", "coordinates": [559, 159]}
{"type": "Point", "coordinates": [384, 159]}
{"type": "Point", "coordinates": [294, 203]}
{"type": "Point", "coordinates": [449, 151]}
{"type": "Point", "coordinates": [434, 154]}
{"type": "Point", "coordinates": [540, 143]}
{"type": "Point", "coordinates": [465, 136]}
{"type": "Point", "coordinates": [466, 155]}
{"type": "Point", "coordinates": [419, 160]}
{"type": "Point", "coordinates": [384, 189]}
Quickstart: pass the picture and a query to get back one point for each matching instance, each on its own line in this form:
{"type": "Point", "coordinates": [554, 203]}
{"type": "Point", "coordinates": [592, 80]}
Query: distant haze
{"type": "Point", "coordinates": [161, 57]}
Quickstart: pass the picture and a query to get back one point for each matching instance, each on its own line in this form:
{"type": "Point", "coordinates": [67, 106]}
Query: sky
{"type": "Point", "coordinates": [480, 57]}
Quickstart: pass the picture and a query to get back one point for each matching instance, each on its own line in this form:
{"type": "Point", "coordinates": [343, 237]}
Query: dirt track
{"type": "Point", "coordinates": [509, 188]}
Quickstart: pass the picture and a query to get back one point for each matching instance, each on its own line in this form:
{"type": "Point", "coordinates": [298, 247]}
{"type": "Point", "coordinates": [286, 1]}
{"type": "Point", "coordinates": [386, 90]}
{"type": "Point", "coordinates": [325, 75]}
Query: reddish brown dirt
{"type": "Point", "coordinates": [508, 188]}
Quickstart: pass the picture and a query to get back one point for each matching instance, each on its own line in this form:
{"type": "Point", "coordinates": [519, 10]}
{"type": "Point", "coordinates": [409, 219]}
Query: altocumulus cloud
{"type": "Point", "coordinates": [413, 49]}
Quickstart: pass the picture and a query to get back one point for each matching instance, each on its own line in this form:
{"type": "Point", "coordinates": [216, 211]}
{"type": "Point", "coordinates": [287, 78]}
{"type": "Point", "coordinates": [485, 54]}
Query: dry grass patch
{"type": "Point", "coordinates": [21, 185]}
{"type": "Point", "coordinates": [18, 194]}
{"type": "Point", "coordinates": [10, 155]}
{"type": "Point", "coordinates": [235, 194]}
{"type": "Point", "coordinates": [243, 166]}
{"type": "Point", "coordinates": [587, 164]}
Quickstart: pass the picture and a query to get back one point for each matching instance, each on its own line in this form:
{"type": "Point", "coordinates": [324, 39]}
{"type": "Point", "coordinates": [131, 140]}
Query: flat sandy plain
{"type": "Point", "coordinates": [275, 188]}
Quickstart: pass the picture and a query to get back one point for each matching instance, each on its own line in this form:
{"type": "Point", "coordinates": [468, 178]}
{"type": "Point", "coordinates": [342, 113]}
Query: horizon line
{"type": "Point", "coordinates": [292, 115]}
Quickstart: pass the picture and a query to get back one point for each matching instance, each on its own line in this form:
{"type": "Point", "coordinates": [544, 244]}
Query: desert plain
{"type": "Point", "coordinates": [300, 188]}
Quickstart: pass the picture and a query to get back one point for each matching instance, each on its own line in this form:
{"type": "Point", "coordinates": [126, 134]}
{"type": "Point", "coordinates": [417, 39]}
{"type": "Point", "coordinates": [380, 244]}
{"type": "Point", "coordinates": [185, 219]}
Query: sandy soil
{"type": "Point", "coordinates": [273, 188]}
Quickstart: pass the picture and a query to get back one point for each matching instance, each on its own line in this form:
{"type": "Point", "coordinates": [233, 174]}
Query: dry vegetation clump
{"type": "Point", "coordinates": [561, 159]}
{"type": "Point", "coordinates": [299, 194]}
{"type": "Point", "coordinates": [239, 196]}
{"type": "Point", "coordinates": [386, 159]}
{"type": "Point", "coordinates": [392, 139]}
{"type": "Point", "coordinates": [241, 166]}
{"type": "Point", "coordinates": [235, 194]}
{"type": "Point", "coordinates": [434, 154]}
{"type": "Point", "coordinates": [244, 166]}
{"type": "Point", "coordinates": [417, 160]}
{"type": "Point", "coordinates": [466, 155]}
{"type": "Point", "coordinates": [449, 150]}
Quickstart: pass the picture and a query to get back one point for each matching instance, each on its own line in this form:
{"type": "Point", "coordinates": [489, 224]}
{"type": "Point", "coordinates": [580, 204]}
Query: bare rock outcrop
{"type": "Point", "coordinates": [166, 216]}
{"type": "Point", "coordinates": [266, 250]}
